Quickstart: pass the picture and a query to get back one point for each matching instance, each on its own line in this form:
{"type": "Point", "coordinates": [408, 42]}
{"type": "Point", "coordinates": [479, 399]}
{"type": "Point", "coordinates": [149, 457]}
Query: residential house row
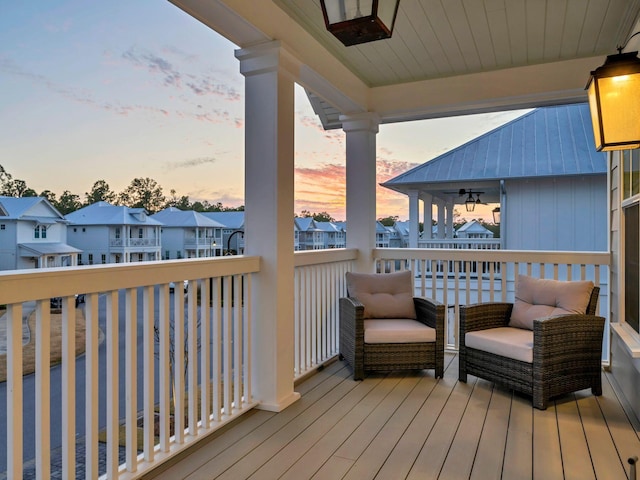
{"type": "Point", "coordinates": [33, 234]}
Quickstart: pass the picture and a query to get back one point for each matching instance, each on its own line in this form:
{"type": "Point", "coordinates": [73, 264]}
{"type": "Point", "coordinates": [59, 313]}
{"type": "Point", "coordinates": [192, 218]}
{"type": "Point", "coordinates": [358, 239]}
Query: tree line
{"type": "Point", "coordinates": [141, 193]}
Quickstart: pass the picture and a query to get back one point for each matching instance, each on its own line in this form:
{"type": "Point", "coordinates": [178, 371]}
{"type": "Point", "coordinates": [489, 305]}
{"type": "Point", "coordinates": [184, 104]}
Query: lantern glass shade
{"type": "Point", "coordinates": [470, 203]}
{"type": "Point", "coordinates": [496, 215]}
{"type": "Point", "coordinates": [359, 21]}
{"type": "Point", "coordinates": [614, 102]}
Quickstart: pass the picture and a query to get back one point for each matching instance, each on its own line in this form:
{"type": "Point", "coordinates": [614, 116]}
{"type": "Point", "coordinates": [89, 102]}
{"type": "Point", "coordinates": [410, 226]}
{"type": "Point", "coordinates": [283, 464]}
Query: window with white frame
{"type": "Point", "coordinates": [631, 246]}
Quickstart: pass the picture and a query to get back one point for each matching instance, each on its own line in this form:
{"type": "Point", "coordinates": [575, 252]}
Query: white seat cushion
{"type": "Point", "coordinates": [397, 330]}
{"type": "Point", "coordinates": [515, 343]}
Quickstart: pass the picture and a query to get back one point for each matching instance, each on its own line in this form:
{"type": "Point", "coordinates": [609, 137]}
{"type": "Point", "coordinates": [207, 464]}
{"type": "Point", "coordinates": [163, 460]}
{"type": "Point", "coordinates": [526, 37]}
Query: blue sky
{"type": "Point", "coordinates": [115, 90]}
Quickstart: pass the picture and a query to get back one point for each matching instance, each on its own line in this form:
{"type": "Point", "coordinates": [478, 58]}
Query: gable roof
{"type": "Point", "coordinates": [174, 217]}
{"type": "Point", "coordinates": [103, 213]}
{"type": "Point", "coordinates": [18, 208]}
{"type": "Point", "coordinates": [474, 226]}
{"type": "Point", "coordinates": [546, 142]}
{"type": "Point", "coordinates": [234, 219]}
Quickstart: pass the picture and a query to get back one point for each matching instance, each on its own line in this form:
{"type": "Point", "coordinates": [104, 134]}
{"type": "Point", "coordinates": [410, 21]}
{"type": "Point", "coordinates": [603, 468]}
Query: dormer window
{"type": "Point", "coordinates": [40, 231]}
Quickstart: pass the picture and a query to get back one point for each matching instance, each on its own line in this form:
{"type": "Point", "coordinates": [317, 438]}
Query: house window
{"type": "Point", "coordinates": [140, 233]}
{"type": "Point", "coordinates": [40, 232]}
{"type": "Point", "coordinates": [91, 259]}
{"type": "Point", "coordinates": [103, 257]}
{"type": "Point", "coordinates": [631, 161]}
{"type": "Point", "coordinates": [167, 254]}
{"type": "Point", "coordinates": [140, 256]}
{"type": "Point", "coordinates": [3, 226]}
{"type": "Point", "coordinates": [631, 254]}
{"type": "Point", "coordinates": [631, 266]}
{"type": "Point", "coordinates": [117, 232]}
{"type": "Point", "coordinates": [79, 259]}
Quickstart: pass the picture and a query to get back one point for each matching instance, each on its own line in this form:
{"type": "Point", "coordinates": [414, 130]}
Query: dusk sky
{"type": "Point", "coordinates": [115, 90]}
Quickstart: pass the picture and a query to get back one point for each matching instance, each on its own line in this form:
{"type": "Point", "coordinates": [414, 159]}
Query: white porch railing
{"type": "Point", "coordinates": [132, 371]}
{"type": "Point", "coordinates": [319, 283]}
{"type": "Point", "coordinates": [456, 277]}
{"type": "Point", "coordinates": [162, 353]}
{"type": "Point", "coordinates": [461, 243]}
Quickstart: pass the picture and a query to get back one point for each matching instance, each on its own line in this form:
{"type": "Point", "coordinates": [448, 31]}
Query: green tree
{"type": "Point", "coordinates": [181, 203]}
{"type": "Point", "coordinates": [100, 192]}
{"type": "Point", "coordinates": [389, 221]}
{"type": "Point", "coordinates": [18, 188]}
{"type": "Point", "coordinates": [49, 195]}
{"type": "Point", "coordinates": [68, 202]}
{"type": "Point", "coordinates": [318, 217]}
{"type": "Point", "coordinates": [143, 193]}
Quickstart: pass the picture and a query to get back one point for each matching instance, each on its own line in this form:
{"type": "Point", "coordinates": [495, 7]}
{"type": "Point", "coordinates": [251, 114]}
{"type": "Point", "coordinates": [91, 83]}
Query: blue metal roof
{"type": "Point", "coordinates": [174, 217]}
{"type": "Point", "coordinates": [548, 141]}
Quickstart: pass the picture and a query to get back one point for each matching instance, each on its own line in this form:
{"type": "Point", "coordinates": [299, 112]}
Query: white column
{"type": "Point", "coordinates": [450, 206]}
{"type": "Point", "coordinates": [414, 213]}
{"type": "Point", "coordinates": [427, 212]}
{"type": "Point", "coordinates": [269, 169]}
{"type": "Point", "coordinates": [361, 130]}
{"type": "Point", "coordinates": [441, 221]}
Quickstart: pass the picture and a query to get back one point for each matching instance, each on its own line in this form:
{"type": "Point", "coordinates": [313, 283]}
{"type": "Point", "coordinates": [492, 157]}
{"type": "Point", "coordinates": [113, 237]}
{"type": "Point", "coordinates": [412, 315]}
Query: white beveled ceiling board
{"type": "Point", "coordinates": [515, 88]}
{"type": "Point", "coordinates": [446, 57]}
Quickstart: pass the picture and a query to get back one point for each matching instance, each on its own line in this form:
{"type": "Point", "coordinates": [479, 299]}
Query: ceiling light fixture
{"type": "Point", "coordinates": [470, 203]}
{"type": "Point", "coordinates": [496, 215]}
{"type": "Point", "coordinates": [614, 101]}
{"type": "Point", "coordinates": [360, 21]}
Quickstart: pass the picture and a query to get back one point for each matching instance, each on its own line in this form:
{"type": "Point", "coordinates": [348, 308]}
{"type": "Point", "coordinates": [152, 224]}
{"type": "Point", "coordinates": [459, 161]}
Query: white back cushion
{"type": "Point", "coordinates": [384, 295]}
{"type": "Point", "coordinates": [541, 297]}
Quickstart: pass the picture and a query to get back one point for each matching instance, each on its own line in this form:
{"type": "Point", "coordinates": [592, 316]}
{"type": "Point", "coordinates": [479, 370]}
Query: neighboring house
{"type": "Point", "coordinates": [114, 234]}
{"type": "Point", "coordinates": [541, 169]}
{"type": "Point", "coordinates": [382, 236]}
{"type": "Point", "coordinates": [188, 234]}
{"type": "Point", "coordinates": [473, 229]}
{"type": "Point", "coordinates": [311, 237]}
{"type": "Point", "coordinates": [334, 235]}
{"type": "Point", "coordinates": [402, 233]}
{"type": "Point", "coordinates": [232, 229]}
{"type": "Point", "coordinates": [33, 234]}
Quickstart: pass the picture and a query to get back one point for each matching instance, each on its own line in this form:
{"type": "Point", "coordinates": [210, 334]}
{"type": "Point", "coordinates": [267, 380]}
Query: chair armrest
{"type": "Point", "coordinates": [561, 338]}
{"type": "Point", "coordinates": [352, 334]}
{"type": "Point", "coordinates": [430, 312]}
{"type": "Point", "coordinates": [481, 316]}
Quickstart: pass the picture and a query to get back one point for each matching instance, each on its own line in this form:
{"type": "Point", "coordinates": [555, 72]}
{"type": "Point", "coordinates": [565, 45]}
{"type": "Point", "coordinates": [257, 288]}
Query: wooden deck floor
{"type": "Point", "coordinates": [415, 427]}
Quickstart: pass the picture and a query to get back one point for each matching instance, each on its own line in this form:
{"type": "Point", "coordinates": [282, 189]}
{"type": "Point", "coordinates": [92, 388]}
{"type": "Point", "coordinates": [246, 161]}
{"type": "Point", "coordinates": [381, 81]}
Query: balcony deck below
{"type": "Point", "coordinates": [410, 425]}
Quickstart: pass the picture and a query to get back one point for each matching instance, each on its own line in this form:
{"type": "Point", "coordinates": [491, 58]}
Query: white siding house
{"type": "Point", "coordinates": [33, 234]}
{"type": "Point", "coordinates": [473, 229]}
{"type": "Point", "coordinates": [114, 234]}
{"type": "Point", "coordinates": [188, 234]}
{"type": "Point", "coordinates": [541, 170]}
{"type": "Point", "coordinates": [232, 229]}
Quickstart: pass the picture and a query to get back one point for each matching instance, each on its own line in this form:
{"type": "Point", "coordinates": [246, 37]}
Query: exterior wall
{"type": "Point", "coordinates": [580, 226]}
{"type": "Point", "coordinates": [91, 239]}
{"type": "Point", "coordinates": [8, 249]}
{"type": "Point", "coordinates": [172, 241]}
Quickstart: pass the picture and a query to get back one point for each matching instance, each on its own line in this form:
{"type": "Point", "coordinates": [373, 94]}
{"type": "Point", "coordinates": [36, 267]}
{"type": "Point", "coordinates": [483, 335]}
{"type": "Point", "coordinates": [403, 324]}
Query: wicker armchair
{"type": "Point", "coordinates": [402, 354]}
{"type": "Point", "coordinates": [566, 351]}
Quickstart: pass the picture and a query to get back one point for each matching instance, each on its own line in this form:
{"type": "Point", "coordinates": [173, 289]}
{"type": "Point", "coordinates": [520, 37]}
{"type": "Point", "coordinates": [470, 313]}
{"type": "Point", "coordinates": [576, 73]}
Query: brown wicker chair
{"type": "Point", "coordinates": [363, 357]}
{"type": "Point", "coordinates": [567, 352]}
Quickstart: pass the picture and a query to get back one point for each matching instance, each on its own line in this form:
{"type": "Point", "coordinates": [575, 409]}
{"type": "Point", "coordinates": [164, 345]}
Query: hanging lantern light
{"type": "Point", "coordinates": [496, 215]}
{"type": "Point", "coordinates": [360, 21]}
{"type": "Point", "coordinates": [614, 101]}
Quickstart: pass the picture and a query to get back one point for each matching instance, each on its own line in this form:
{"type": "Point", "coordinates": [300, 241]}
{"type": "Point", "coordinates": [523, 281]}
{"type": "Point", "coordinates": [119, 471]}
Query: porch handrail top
{"type": "Point", "coordinates": [536, 256]}
{"type": "Point", "coordinates": [315, 257]}
{"type": "Point", "coordinates": [36, 284]}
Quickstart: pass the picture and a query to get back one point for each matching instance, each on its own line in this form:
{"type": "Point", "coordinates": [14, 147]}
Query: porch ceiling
{"type": "Point", "coordinates": [445, 58]}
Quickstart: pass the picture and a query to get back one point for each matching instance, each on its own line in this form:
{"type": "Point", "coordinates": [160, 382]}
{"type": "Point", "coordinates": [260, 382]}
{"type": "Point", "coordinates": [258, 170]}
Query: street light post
{"type": "Point", "coordinates": [229, 240]}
